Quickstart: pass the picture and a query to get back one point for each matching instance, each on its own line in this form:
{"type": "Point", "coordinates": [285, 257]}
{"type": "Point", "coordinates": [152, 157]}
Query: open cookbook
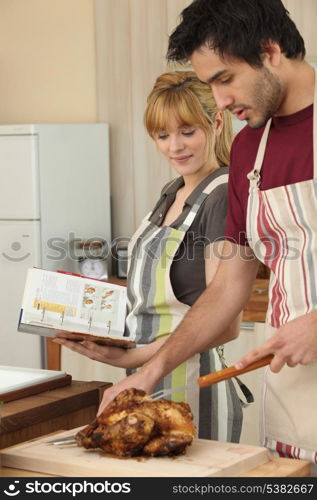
{"type": "Point", "coordinates": [75, 307]}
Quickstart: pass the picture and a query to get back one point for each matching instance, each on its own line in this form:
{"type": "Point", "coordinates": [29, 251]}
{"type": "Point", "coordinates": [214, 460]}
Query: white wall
{"type": "Point", "coordinates": [85, 369]}
{"type": "Point", "coordinates": [48, 71]}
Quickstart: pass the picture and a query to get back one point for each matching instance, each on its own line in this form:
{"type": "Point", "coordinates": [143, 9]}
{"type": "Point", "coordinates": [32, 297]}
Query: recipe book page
{"type": "Point", "coordinates": [62, 301]}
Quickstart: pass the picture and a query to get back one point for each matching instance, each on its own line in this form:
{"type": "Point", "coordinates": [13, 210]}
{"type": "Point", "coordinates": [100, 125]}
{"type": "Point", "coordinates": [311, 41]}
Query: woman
{"type": "Point", "coordinates": [174, 253]}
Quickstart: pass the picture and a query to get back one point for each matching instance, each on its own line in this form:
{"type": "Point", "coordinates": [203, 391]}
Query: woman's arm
{"type": "Point", "coordinates": [114, 356]}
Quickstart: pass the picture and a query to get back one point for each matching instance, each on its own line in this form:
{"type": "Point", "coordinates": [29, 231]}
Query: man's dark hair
{"type": "Point", "coordinates": [236, 28]}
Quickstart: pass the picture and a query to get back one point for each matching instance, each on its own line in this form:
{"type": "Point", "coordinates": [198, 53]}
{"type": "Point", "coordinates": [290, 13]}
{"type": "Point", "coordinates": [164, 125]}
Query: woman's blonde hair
{"type": "Point", "coordinates": [182, 95]}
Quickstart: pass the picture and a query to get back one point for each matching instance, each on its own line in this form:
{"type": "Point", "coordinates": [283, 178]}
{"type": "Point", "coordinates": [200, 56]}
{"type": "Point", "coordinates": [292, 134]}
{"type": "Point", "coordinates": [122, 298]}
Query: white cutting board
{"type": "Point", "coordinates": [13, 378]}
{"type": "Point", "coordinates": [203, 458]}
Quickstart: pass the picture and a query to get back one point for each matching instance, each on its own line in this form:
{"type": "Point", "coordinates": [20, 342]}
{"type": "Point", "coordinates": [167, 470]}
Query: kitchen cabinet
{"type": "Point", "coordinates": [50, 411]}
{"type": "Point", "coordinates": [255, 309]}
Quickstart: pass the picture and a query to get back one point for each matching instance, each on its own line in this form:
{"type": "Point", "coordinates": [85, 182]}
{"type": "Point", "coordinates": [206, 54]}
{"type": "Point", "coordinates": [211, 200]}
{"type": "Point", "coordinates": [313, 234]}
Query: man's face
{"type": "Point", "coordinates": [252, 94]}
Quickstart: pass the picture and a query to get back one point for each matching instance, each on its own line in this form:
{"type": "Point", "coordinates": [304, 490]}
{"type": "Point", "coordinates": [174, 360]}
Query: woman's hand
{"type": "Point", "coordinates": [294, 343]}
{"type": "Point", "coordinates": [114, 356]}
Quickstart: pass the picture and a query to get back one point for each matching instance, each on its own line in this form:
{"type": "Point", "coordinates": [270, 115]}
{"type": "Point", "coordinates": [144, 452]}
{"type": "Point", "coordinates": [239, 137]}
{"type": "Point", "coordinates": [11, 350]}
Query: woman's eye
{"type": "Point", "coordinates": [188, 132]}
{"type": "Point", "coordinates": [162, 136]}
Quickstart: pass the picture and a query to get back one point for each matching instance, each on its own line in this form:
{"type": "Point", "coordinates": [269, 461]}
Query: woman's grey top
{"type": "Point", "coordinates": [188, 269]}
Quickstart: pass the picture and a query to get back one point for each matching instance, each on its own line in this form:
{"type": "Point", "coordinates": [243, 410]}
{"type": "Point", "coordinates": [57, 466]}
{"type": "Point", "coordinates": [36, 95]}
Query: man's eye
{"type": "Point", "coordinates": [225, 81]}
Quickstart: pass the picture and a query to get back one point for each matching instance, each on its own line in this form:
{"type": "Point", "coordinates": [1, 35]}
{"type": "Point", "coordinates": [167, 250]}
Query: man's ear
{"type": "Point", "coordinates": [218, 123]}
{"type": "Point", "coordinates": [271, 52]}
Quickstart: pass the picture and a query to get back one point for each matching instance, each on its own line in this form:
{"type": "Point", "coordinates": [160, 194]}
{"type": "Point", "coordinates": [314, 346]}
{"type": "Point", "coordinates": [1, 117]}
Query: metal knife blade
{"type": "Point", "coordinates": [62, 441]}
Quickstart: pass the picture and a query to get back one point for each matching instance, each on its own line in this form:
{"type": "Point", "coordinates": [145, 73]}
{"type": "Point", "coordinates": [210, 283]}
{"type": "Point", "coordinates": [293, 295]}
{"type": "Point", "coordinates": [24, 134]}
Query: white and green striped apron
{"type": "Point", "coordinates": [154, 312]}
{"type": "Point", "coordinates": [282, 231]}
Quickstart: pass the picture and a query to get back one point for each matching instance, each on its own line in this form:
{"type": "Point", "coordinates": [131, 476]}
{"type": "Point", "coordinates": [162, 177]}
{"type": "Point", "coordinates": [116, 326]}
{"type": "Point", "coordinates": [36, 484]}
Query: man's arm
{"type": "Point", "coordinates": [212, 260]}
{"type": "Point", "coordinates": [211, 315]}
{"type": "Point", "coordinates": [205, 325]}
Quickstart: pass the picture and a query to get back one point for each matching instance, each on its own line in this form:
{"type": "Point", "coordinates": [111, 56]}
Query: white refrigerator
{"type": "Point", "coordinates": [54, 187]}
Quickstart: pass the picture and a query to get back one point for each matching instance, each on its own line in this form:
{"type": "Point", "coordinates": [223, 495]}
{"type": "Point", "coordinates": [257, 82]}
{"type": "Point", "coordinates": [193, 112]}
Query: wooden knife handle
{"type": "Point", "coordinates": [231, 371]}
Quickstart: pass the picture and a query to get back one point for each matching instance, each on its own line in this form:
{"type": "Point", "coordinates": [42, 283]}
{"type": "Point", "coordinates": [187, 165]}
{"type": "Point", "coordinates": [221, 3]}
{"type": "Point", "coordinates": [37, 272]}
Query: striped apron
{"type": "Point", "coordinates": [154, 312]}
{"type": "Point", "coordinates": [282, 231]}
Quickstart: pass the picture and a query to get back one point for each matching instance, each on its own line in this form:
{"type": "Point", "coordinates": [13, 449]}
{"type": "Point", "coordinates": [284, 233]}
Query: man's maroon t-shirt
{"type": "Point", "coordinates": [288, 159]}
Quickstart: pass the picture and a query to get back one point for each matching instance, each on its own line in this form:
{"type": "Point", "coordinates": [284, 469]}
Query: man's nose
{"type": "Point", "coordinates": [223, 99]}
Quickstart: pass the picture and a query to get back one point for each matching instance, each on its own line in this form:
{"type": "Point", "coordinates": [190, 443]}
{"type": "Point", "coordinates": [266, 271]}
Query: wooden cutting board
{"type": "Point", "coordinates": [203, 458]}
{"type": "Point", "coordinates": [17, 383]}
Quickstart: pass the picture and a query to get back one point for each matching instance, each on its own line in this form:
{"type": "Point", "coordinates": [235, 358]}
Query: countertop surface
{"type": "Point", "coordinates": [275, 467]}
{"type": "Point", "coordinates": [33, 410]}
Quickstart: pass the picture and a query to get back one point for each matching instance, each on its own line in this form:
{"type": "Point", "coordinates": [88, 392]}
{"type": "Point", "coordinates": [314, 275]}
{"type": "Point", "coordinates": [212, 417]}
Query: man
{"type": "Point", "coordinates": [251, 55]}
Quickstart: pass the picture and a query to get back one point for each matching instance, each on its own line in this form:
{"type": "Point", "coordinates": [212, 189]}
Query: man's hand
{"type": "Point", "coordinates": [293, 343]}
{"type": "Point", "coordinates": [138, 380]}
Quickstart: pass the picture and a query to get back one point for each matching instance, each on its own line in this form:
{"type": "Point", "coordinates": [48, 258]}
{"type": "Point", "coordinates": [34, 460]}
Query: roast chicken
{"type": "Point", "coordinates": [133, 425]}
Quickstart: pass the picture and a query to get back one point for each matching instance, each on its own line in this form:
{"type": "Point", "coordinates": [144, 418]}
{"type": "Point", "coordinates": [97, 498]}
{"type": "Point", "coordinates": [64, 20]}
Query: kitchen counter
{"type": "Point", "coordinates": [275, 467]}
{"type": "Point", "coordinates": [50, 411]}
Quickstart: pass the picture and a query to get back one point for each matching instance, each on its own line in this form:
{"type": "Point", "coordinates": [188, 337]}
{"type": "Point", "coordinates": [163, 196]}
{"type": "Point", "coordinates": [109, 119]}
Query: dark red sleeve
{"type": "Point", "coordinates": [237, 199]}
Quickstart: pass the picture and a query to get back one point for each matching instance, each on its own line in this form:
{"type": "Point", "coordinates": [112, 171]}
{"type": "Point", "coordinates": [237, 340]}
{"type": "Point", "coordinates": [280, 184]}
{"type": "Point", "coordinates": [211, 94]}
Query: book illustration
{"type": "Point", "coordinates": [96, 303]}
{"type": "Point", "coordinates": [88, 303]}
{"type": "Point", "coordinates": [94, 300]}
{"type": "Point", "coordinates": [108, 300]}
{"type": "Point", "coordinates": [71, 303]}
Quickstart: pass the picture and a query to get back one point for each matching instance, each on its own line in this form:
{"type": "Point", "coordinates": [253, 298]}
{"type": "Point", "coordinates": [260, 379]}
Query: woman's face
{"type": "Point", "coordinates": [184, 147]}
